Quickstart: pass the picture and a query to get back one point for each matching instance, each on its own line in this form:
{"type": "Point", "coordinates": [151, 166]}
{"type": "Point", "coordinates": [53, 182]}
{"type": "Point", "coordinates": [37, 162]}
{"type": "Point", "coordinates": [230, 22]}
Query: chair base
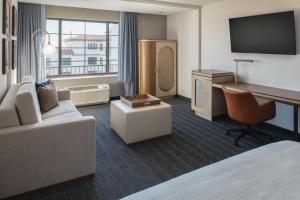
{"type": "Point", "coordinates": [246, 131]}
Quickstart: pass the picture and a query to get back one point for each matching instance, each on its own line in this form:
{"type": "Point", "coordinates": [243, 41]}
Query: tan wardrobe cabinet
{"type": "Point", "coordinates": [157, 67]}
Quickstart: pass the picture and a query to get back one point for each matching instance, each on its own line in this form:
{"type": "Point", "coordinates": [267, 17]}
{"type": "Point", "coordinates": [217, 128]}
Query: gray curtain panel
{"type": "Point", "coordinates": [31, 17]}
{"type": "Point", "coordinates": [128, 52]}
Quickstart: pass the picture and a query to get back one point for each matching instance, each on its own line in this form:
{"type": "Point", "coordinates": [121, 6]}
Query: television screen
{"type": "Point", "coordinates": [269, 34]}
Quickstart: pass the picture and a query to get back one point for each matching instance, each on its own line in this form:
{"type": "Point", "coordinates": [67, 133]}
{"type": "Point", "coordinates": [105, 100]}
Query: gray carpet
{"type": "Point", "coordinates": [123, 170]}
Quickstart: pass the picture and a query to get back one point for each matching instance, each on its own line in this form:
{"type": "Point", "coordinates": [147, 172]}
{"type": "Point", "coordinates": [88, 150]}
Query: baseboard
{"type": "Point", "coordinates": [114, 98]}
{"type": "Point", "coordinates": [183, 98]}
{"type": "Point", "coordinates": [280, 128]}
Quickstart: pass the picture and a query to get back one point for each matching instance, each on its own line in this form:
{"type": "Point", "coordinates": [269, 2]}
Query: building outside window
{"type": "Point", "coordinates": [92, 60]}
{"type": "Point", "coordinates": [66, 61]}
{"type": "Point", "coordinates": [48, 61]}
{"type": "Point", "coordinates": [92, 45]}
{"type": "Point", "coordinates": [83, 47]}
{"type": "Point", "coordinates": [101, 47]}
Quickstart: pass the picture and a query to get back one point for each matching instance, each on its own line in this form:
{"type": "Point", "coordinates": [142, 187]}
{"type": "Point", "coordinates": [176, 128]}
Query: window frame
{"type": "Point", "coordinates": [106, 49]}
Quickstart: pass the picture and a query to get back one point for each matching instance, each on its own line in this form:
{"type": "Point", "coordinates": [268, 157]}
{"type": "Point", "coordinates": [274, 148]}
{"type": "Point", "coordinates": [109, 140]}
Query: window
{"type": "Point", "coordinates": [66, 61]}
{"type": "Point", "coordinates": [83, 47]}
{"type": "Point", "coordinates": [92, 46]}
{"type": "Point", "coordinates": [92, 60]}
{"type": "Point", "coordinates": [48, 61]}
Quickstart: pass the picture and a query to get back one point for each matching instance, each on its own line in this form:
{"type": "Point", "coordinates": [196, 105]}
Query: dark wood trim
{"type": "Point", "coordinates": [5, 20]}
{"type": "Point", "coordinates": [14, 21]}
{"type": "Point", "coordinates": [4, 56]}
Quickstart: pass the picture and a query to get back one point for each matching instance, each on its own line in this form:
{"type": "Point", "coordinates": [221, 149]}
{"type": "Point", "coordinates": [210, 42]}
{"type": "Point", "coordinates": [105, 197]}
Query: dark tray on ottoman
{"type": "Point", "coordinates": [140, 100]}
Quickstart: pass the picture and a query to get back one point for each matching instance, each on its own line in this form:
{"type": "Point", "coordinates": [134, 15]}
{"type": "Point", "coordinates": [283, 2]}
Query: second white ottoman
{"type": "Point", "coordinates": [138, 124]}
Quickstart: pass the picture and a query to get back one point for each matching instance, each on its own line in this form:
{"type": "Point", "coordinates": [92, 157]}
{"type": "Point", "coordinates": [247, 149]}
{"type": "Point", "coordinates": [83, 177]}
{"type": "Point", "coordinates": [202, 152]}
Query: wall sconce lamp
{"type": "Point", "coordinates": [236, 75]}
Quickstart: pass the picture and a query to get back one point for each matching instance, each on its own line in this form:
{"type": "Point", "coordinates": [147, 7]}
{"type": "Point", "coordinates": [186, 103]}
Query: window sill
{"type": "Point", "coordinates": [85, 77]}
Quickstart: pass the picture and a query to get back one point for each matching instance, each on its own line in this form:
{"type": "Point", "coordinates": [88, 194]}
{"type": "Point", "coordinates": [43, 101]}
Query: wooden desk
{"type": "Point", "coordinates": [281, 95]}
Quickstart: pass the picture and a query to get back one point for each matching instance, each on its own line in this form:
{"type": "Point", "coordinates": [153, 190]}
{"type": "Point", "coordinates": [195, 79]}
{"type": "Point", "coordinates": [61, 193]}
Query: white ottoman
{"type": "Point", "coordinates": [138, 124]}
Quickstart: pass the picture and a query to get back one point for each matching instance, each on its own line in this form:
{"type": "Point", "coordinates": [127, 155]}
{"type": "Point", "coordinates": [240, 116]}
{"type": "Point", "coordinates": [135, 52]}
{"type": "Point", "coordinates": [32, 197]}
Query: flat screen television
{"type": "Point", "coordinates": [268, 34]}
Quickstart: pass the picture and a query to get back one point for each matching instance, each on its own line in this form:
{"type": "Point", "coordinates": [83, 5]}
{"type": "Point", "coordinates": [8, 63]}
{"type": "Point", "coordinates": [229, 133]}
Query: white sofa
{"type": "Point", "coordinates": [39, 150]}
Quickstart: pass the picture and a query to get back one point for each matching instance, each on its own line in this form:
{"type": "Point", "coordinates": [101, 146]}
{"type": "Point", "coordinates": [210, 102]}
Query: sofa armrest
{"type": "Point", "coordinates": [63, 94]}
{"type": "Point", "coordinates": [38, 155]}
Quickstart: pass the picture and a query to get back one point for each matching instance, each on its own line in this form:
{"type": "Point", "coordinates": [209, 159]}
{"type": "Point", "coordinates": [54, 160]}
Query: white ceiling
{"type": "Point", "coordinates": [165, 7]}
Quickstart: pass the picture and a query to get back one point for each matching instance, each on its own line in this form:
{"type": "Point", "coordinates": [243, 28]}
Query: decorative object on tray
{"type": "Point", "coordinates": [140, 100]}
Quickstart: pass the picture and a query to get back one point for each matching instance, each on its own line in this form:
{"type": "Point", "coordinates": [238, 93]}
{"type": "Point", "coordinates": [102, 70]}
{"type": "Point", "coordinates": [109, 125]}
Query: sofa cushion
{"type": "Point", "coordinates": [47, 97]}
{"type": "Point", "coordinates": [8, 112]}
{"type": "Point", "coordinates": [27, 79]}
{"type": "Point", "coordinates": [69, 116]}
{"type": "Point", "coordinates": [28, 105]}
{"type": "Point", "coordinates": [62, 108]}
{"type": "Point", "coordinates": [43, 84]}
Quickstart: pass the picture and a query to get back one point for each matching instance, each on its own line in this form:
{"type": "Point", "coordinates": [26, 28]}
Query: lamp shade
{"type": "Point", "coordinates": [48, 50]}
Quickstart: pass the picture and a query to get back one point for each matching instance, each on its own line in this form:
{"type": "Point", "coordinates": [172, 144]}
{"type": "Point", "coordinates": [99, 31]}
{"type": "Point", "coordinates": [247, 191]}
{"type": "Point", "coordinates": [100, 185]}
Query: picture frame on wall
{"type": "Point", "coordinates": [13, 54]}
{"type": "Point", "coordinates": [14, 21]}
{"type": "Point", "coordinates": [6, 18]}
{"type": "Point", "coordinates": [4, 56]}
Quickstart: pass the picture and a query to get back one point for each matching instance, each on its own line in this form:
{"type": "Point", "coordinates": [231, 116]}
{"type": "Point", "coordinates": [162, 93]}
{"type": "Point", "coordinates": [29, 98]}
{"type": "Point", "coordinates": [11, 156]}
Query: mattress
{"type": "Point", "coordinates": [269, 172]}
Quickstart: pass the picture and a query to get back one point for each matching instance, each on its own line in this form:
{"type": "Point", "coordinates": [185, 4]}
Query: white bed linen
{"type": "Point", "coordinates": [269, 172]}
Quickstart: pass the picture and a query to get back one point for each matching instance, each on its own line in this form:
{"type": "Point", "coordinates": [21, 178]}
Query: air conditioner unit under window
{"type": "Point", "coordinates": [90, 94]}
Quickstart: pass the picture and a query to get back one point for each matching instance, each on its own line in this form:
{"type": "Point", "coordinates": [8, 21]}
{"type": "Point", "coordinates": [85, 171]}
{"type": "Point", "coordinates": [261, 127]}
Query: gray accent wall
{"type": "Point", "coordinates": [82, 13]}
{"type": "Point", "coordinates": [149, 26]}
{"type": "Point", "coordinates": [152, 26]}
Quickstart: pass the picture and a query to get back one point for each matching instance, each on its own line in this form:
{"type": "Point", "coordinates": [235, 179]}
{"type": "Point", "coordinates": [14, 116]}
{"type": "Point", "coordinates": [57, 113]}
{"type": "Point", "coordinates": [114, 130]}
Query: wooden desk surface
{"type": "Point", "coordinates": [282, 95]}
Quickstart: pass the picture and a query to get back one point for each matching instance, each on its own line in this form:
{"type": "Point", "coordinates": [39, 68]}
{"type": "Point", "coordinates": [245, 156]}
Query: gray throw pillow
{"type": "Point", "coordinates": [48, 98]}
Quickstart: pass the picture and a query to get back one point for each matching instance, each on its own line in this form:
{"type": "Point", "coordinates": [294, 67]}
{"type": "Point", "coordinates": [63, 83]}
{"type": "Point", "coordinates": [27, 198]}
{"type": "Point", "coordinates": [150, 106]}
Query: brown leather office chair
{"type": "Point", "coordinates": [244, 108]}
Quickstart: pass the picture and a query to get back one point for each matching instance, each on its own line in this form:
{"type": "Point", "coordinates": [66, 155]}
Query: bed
{"type": "Point", "coordinates": [268, 172]}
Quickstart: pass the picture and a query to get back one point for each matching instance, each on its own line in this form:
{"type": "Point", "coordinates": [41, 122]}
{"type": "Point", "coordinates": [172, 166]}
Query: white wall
{"type": "Point", "coordinates": [5, 79]}
{"type": "Point", "coordinates": [281, 71]}
{"type": "Point", "coordinates": [184, 28]}
{"type": "Point", "coordinates": [2, 77]}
